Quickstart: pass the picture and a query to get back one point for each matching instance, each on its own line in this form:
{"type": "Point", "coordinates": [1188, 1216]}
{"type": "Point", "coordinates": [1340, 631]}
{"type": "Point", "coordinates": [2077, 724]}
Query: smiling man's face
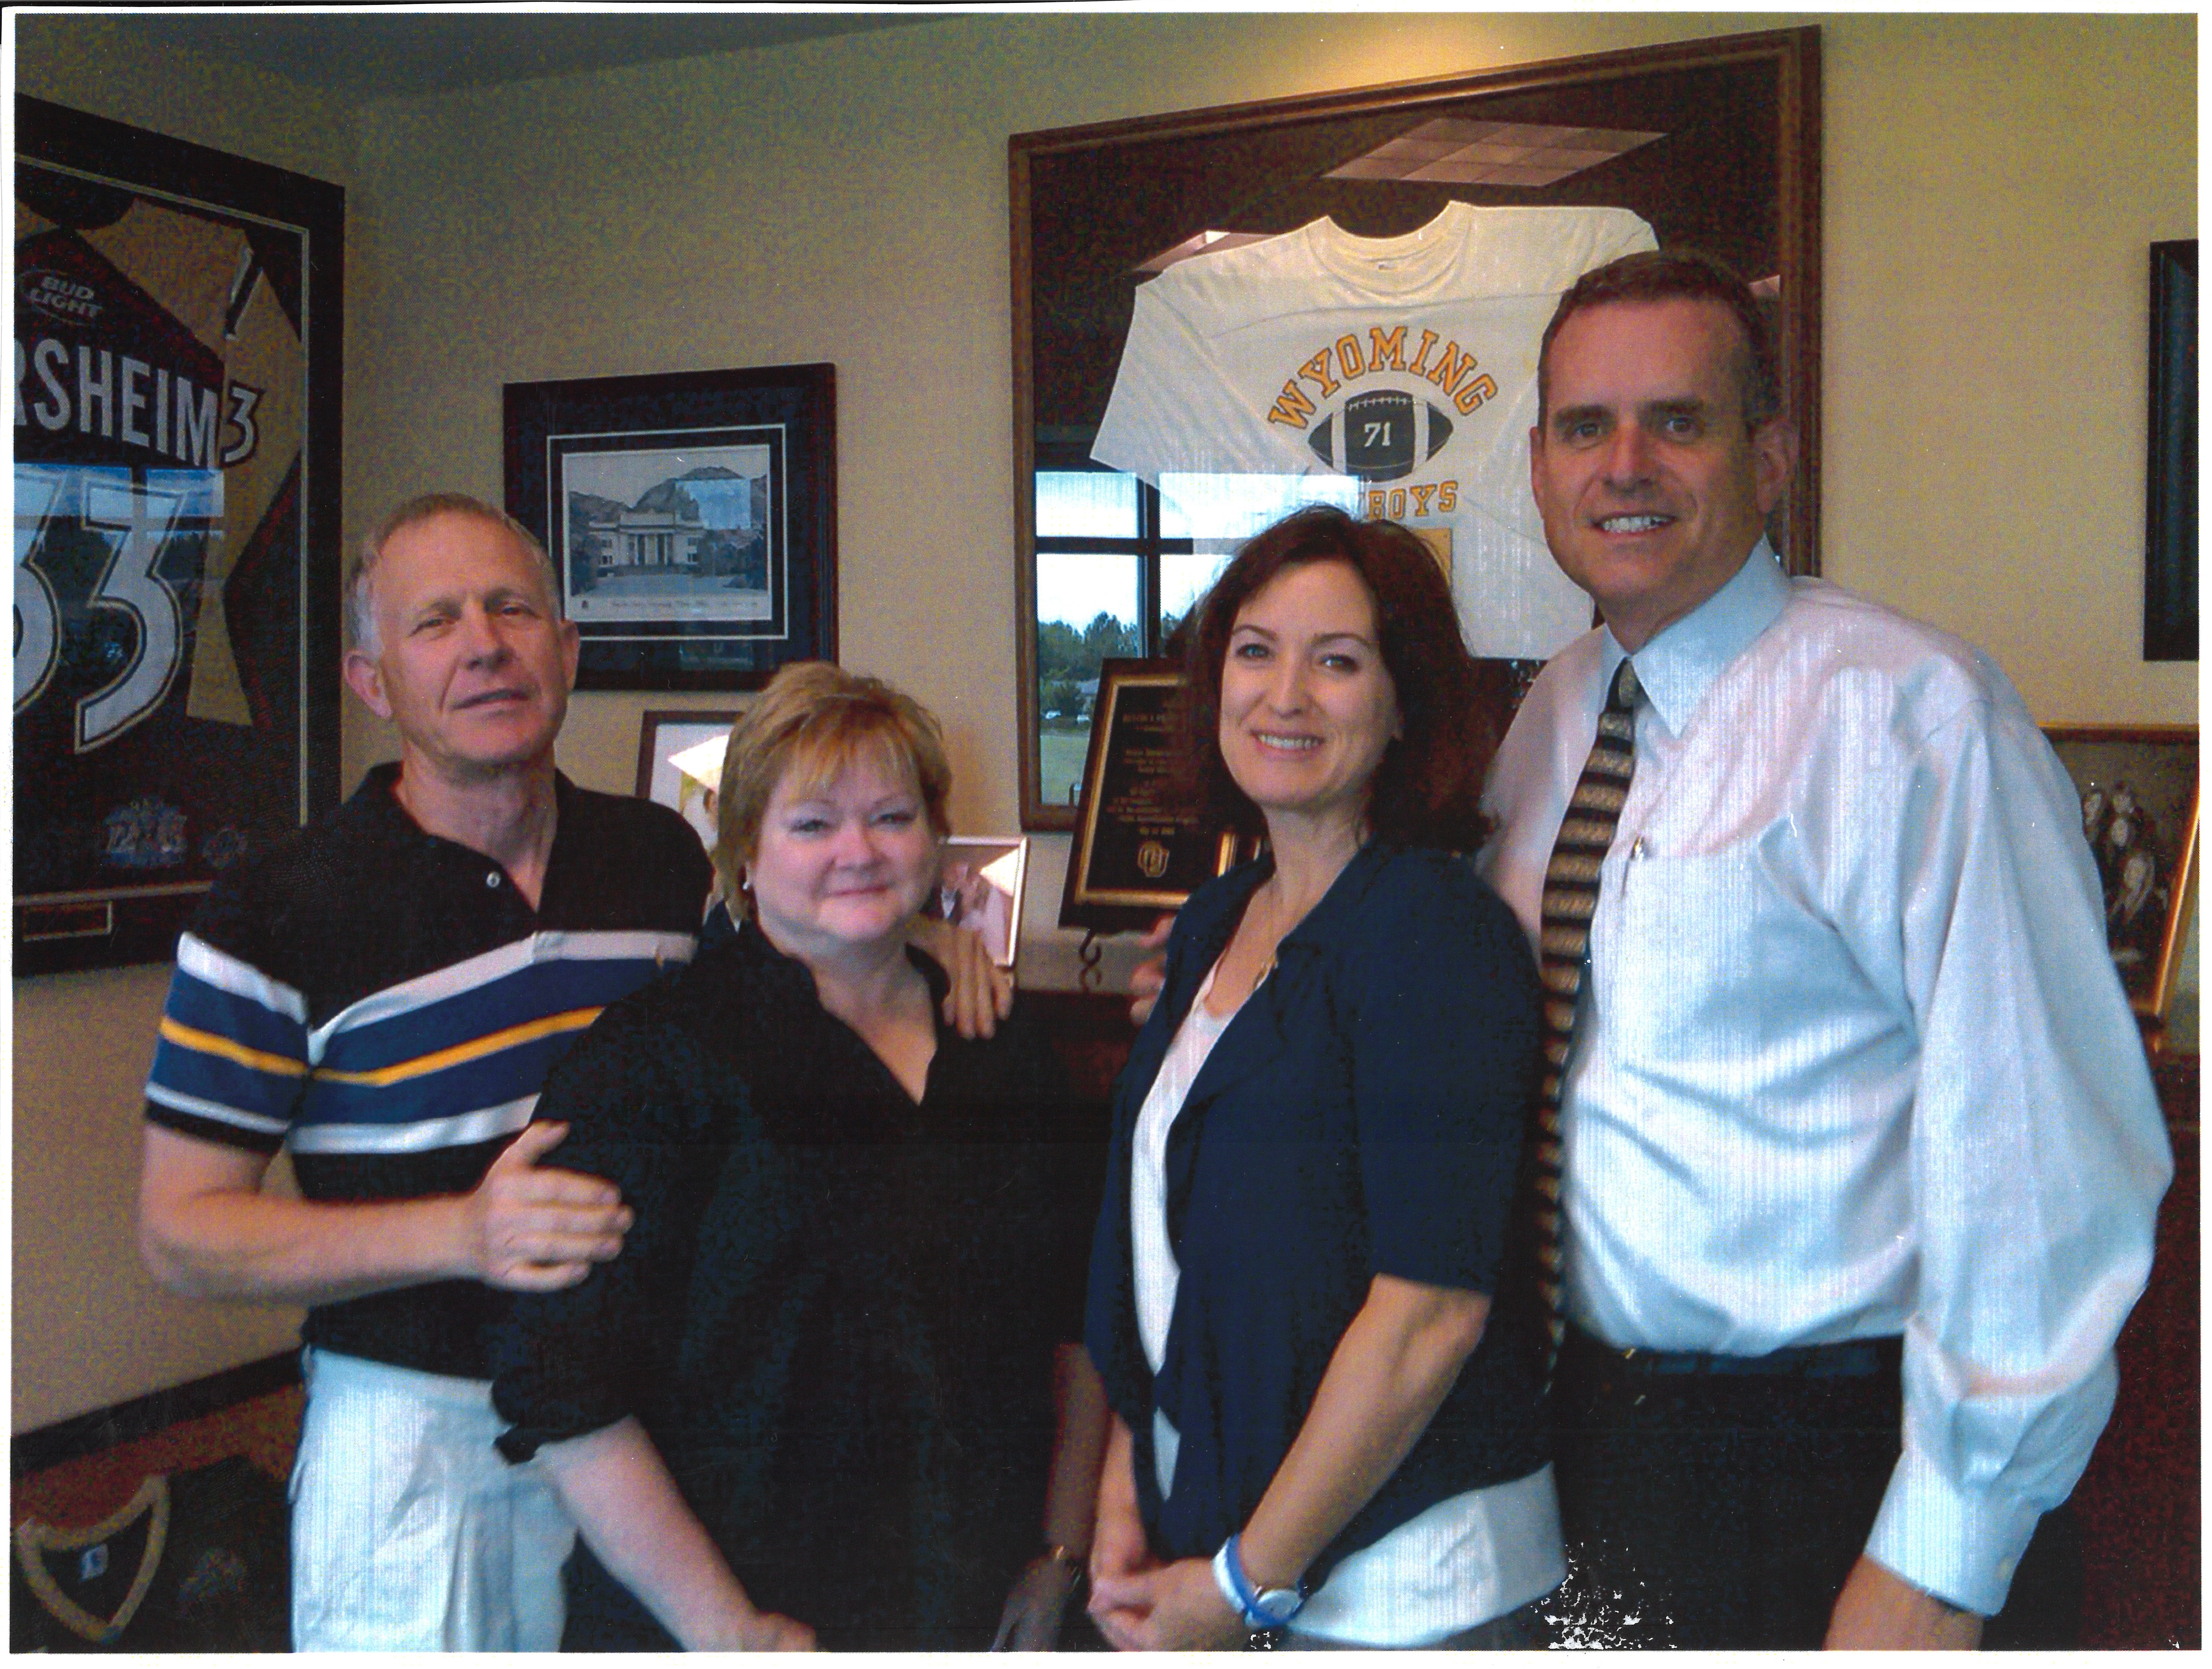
{"type": "Point", "coordinates": [1652, 488]}
{"type": "Point", "coordinates": [471, 661]}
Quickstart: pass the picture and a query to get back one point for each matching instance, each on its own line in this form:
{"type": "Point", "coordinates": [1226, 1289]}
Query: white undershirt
{"type": "Point", "coordinates": [1463, 1561]}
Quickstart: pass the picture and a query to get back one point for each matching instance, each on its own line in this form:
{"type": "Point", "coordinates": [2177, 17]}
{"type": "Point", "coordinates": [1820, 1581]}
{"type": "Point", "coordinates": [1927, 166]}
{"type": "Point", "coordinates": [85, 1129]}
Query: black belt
{"type": "Point", "coordinates": [1850, 1358]}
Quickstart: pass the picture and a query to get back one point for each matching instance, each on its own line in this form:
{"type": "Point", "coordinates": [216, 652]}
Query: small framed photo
{"type": "Point", "coordinates": [692, 517]}
{"type": "Point", "coordinates": [979, 887]}
{"type": "Point", "coordinates": [680, 762]}
{"type": "Point", "coordinates": [2138, 785]}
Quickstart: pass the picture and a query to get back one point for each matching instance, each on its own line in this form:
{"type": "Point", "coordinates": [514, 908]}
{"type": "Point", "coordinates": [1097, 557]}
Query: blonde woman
{"type": "Point", "coordinates": [813, 1400]}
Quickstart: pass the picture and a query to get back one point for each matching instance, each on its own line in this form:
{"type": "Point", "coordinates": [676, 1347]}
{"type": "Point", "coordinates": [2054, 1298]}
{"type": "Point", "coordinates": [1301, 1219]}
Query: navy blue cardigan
{"type": "Point", "coordinates": [1363, 1114]}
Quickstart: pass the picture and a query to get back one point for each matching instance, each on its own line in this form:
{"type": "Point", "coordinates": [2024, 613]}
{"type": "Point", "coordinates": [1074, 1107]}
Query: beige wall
{"type": "Point", "coordinates": [99, 64]}
{"type": "Point", "coordinates": [1990, 184]}
{"type": "Point", "coordinates": [90, 1326]}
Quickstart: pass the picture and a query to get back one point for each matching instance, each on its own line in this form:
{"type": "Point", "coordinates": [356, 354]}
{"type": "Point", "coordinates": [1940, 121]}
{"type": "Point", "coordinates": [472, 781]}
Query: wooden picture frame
{"type": "Point", "coordinates": [179, 319]}
{"type": "Point", "coordinates": [1736, 172]}
{"type": "Point", "coordinates": [2139, 788]}
{"type": "Point", "coordinates": [663, 735]}
{"type": "Point", "coordinates": [692, 517]}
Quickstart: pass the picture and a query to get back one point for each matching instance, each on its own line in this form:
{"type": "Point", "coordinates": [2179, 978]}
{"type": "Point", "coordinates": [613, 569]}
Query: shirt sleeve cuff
{"type": "Point", "coordinates": [1960, 1546]}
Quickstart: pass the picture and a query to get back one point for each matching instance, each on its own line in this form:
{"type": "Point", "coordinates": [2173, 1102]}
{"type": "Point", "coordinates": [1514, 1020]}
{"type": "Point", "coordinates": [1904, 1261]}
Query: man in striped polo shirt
{"type": "Point", "coordinates": [382, 994]}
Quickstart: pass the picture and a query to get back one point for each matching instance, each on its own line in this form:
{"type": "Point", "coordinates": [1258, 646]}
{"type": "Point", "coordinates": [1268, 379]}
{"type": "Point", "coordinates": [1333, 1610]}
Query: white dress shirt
{"type": "Point", "coordinates": [1855, 1061]}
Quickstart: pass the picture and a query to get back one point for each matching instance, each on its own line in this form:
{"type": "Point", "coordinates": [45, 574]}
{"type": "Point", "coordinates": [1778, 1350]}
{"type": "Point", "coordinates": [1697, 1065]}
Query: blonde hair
{"type": "Point", "coordinates": [818, 719]}
{"type": "Point", "coordinates": [360, 609]}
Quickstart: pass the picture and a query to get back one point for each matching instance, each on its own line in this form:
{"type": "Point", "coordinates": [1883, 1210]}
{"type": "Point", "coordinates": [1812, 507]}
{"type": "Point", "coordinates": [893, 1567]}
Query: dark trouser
{"type": "Point", "coordinates": [1718, 1510]}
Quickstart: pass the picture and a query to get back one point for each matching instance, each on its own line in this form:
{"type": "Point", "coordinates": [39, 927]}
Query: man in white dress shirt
{"type": "Point", "coordinates": [1862, 1156]}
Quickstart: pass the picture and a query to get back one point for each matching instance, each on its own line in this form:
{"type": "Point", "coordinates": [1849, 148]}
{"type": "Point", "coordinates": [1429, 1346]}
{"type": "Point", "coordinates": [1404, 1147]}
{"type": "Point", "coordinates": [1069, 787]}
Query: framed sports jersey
{"type": "Point", "coordinates": [178, 325]}
{"type": "Point", "coordinates": [1223, 314]}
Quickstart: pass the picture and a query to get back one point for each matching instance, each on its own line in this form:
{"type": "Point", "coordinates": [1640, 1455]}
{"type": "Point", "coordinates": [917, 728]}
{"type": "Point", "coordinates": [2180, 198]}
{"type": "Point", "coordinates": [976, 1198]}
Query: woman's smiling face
{"type": "Point", "coordinates": [842, 862]}
{"type": "Point", "coordinates": [1308, 706]}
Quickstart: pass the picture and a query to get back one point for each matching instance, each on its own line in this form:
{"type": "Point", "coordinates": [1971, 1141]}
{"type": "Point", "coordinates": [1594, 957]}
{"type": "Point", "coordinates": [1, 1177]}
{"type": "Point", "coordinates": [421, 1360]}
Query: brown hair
{"type": "Point", "coordinates": [817, 719]}
{"type": "Point", "coordinates": [1426, 790]}
{"type": "Point", "coordinates": [360, 615]}
{"type": "Point", "coordinates": [1670, 275]}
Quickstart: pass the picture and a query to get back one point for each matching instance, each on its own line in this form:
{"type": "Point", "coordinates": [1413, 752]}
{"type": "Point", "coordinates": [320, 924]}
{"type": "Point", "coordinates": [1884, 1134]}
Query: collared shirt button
{"type": "Point", "coordinates": [491, 878]}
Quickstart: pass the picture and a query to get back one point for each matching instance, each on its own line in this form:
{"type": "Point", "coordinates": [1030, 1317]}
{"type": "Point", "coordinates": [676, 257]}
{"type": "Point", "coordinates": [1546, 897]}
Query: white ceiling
{"type": "Point", "coordinates": [387, 52]}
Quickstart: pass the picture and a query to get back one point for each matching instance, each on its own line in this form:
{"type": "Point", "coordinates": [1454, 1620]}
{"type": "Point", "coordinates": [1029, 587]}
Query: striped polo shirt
{"type": "Point", "coordinates": [385, 1003]}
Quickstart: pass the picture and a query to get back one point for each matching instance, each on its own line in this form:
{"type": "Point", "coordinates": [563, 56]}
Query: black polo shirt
{"type": "Point", "coordinates": [386, 1003]}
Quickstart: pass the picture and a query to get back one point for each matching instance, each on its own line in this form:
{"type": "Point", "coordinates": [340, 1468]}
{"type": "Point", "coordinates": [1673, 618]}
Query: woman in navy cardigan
{"type": "Point", "coordinates": [1322, 1423]}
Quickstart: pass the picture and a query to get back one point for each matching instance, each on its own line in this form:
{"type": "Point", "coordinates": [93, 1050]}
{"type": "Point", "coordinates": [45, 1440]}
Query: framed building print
{"type": "Point", "coordinates": [178, 318]}
{"type": "Point", "coordinates": [692, 517]}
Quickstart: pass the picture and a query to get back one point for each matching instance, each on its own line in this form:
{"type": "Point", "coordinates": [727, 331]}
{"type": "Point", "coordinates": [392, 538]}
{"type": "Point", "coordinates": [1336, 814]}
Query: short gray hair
{"type": "Point", "coordinates": [360, 615]}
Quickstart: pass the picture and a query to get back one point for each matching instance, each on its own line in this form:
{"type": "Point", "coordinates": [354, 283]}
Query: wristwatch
{"type": "Point", "coordinates": [1262, 1608]}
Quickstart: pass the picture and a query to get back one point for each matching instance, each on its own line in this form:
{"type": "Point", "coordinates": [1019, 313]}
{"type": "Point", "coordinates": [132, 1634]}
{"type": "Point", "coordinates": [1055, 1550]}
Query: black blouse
{"type": "Point", "coordinates": [835, 1313]}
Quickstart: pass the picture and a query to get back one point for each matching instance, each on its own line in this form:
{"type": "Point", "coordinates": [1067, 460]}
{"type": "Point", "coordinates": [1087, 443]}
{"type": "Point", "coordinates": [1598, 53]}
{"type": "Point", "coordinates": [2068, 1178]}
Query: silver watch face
{"type": "Point", "coordinates": [1278, 1605]}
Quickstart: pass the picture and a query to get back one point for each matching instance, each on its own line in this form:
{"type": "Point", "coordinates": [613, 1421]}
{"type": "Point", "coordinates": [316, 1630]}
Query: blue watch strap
{"type": "Point", "coordinates": [1261, 1609]}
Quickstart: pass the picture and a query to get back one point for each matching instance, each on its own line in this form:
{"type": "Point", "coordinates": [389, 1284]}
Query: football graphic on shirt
{"type": "Point", "coordinates": [1385, 434]}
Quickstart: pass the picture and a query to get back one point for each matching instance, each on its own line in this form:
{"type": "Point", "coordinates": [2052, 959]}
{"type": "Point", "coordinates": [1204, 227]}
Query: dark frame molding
{"type": "Point", "coordinates": [2170, 535]}
{"type": "Point", "coordinates": [1795, 56]}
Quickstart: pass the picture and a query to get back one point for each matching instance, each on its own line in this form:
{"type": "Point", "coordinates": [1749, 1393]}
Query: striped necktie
{"type": "Point", "coordinates": [1569, 901]}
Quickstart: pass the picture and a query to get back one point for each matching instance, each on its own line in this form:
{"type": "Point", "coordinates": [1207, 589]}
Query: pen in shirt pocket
{"type": "Point", "coordinates": [1636, 853]}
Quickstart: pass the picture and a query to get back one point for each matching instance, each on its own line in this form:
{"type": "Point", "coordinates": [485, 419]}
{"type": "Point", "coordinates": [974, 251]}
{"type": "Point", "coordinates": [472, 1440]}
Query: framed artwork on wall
{"type": "Point", "coordinates": [1219, 314]}
{"type": "Point", "coordinates": [680, 762]}
{"type": "Point", "coordinates": [178, 322]}
{"type": "Point", "coordinates": [2138, 785]}
{"type": "Point", "coordinates": [692, 517]}
{"type": "Point", "coordinates": [2170, 554]}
